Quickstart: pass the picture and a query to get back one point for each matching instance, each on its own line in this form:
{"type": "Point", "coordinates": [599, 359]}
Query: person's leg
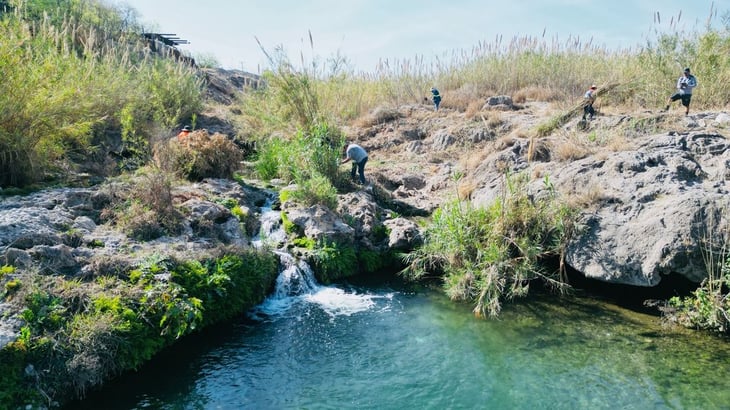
{"type": "Point", "coordinates": [591, 112]}
{"type": "Point", "coordinates": [685, 101]}
{"type": "Point", "coordinates": [352, 171]}
{"type": "Point", "coordinates": [672, 98]}
{"type": "Point", "coordinates": [361, 170]}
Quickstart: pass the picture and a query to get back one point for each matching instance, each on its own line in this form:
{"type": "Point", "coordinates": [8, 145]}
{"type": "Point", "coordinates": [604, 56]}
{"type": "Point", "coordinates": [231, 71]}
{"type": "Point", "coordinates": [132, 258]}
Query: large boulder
{"type": "Point", "coordinates": [657, 209]}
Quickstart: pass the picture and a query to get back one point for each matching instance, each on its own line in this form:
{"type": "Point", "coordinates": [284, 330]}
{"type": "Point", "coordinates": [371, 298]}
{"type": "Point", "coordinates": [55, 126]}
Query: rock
{"type": "Point", "coordinates": [722, 118]}
{"type": "Point", "coordinates": [404, 234]}
{"type": "Point", "coordinates": [653, 201]}
{"type": "Point", "coordinates": [58, 259]}
{"type": "Point", "coordinates": [84, 224]}
{"type": "Point", "coordinates": [319, 223]}
{"type": "Point", "coordinates": [442, 140]}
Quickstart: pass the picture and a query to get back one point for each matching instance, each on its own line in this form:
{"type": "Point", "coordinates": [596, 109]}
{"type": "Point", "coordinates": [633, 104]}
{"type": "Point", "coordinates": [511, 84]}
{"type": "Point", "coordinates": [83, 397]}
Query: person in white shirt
{"type": "Point", "coordinates": [685, 84]}
{"type": "Point", "coordinates": [588, 99]}
{"type": "Point", "coordinates": [359, 158]}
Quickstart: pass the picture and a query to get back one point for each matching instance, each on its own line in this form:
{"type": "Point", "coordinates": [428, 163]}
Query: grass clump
{"type": "Point", "coordinates": [488, 255]}
{"type": "Point", "coordinates": [199, 156]}
{"type": "Point", "coordinates": [310, 160]}
{"type": "Point", "coordinates": [143, 208]}
{"type": "Point", "coordinates": [708, 307]}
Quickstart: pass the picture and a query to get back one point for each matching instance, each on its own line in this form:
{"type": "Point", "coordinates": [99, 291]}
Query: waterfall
{"type": "Point", "coordinates": [296, 283]}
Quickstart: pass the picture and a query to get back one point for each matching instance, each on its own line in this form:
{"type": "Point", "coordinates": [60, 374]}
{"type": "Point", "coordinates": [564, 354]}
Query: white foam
{"type": "Point", "coordinates": [337, 302]}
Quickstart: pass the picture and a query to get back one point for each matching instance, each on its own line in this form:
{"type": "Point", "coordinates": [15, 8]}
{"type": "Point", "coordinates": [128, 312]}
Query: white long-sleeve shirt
{"type": "Point", "coordinates": [686, 83]}
{"type": "Point", "coordinates": [356, 153]}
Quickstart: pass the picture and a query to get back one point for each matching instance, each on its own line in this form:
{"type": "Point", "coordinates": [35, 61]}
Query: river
{"type": "Point", "coordinates": [394, 346]}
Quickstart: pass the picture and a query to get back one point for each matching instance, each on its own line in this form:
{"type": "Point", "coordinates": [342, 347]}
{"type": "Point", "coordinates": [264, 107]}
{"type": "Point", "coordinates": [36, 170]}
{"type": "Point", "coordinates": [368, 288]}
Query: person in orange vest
{"type": "Point", "coordinates": [183, 133]}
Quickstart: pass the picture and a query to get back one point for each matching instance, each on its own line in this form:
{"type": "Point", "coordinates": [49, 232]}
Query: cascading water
{"type": "Point", "coordinates": [296, 282]}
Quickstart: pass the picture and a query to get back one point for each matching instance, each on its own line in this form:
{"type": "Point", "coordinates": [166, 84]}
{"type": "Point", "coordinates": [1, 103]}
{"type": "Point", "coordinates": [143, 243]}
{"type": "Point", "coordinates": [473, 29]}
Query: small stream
{"type": "Point", "coordinates": [389, 345]}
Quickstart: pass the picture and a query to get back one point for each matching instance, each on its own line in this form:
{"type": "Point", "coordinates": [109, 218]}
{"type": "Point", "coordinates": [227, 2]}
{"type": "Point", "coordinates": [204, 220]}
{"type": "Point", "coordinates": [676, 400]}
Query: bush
{"type": "Point", "coordinates": [333, 261]}
{"type": "Point", "coordinates": [491, 254]}
{"type": "Point", "coordinates": [144, 208]}
{"type": "Point", "coordinates": [200, 155]}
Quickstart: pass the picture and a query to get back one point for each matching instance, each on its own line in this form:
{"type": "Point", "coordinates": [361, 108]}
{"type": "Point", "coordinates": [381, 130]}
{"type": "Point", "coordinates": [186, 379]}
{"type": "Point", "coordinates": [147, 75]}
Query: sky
{"type": "Point", "coordinates": [368, 31]}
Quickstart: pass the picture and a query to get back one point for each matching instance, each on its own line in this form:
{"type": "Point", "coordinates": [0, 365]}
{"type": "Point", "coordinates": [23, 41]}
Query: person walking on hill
{"type": "Point", "coordinates": [184, 132]}
{"type": "Point", "coordinates": [685, 84]}
{"type": "Point", "coordinates": [436, 98]}
{"type": "Point", "coordinates": [359, 158]}
{"type": "Point", "coordinates": [588, 99]}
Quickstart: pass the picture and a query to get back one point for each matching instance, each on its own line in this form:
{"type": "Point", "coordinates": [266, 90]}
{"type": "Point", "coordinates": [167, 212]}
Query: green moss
{"type": "Point", "coordinates": [289, 227]}
{"type": "Point", "coordinates": [333, 261]}
{"type": "Point", "coordinates": [304, 242]}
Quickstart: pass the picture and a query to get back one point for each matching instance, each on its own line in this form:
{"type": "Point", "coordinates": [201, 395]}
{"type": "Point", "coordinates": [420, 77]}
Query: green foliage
{"type": "Point", "coordinates": [239, 213]}
{"type": "Point", "coordinates": [371, 261]}
{"type": "Point", "coordinates": [708, 307]}
{"type": "Point", "coordinates": [96, 243]}
{"type": "Point", "coordinates": [64, 84]}
{"type": "Point", "coordinates": [12, 286]}
{"type": "Point", "coordinates": [304, 242]}
{"type": "Point", "coordinates": [380, 232]}
{"type": "Point", "coordinates": [289, 227]}
{"type": "Point", "coordinates": [493, 253]}
{"type": "Point", "coordinates": [315, 190]}
{"type": "Point", "coordinates": [333, 261]}
{"type": "Point", "coordinates": [310, 159]}
{"type": "Point", "coordinates": [12, 365]}
{"type": "Point", "coordinates": [6, 270]}
{"type": "Point", "coordinates": [43, 312]}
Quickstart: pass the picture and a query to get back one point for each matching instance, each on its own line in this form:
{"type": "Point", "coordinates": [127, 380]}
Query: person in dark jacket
{"type": "Point", "coordinates": [436, 98]}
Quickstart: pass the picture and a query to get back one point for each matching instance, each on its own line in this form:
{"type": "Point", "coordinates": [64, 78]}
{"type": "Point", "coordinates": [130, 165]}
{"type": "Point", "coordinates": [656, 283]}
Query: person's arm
{"type": "Point", "coordinates": [692, 81]}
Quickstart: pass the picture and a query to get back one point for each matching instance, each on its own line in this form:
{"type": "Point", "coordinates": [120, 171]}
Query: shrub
{"type": "Point", "coordinates": [708, 307]}
{"type": "Point", "coordinates": [200, 155]}
{"type": "Point", "coordinates": [333, 261]}
{"type": "Point", "coordinates": [144, 208]}
{"type": "Point", "coordinates": [491, 254]}
{"type": "Point", "coordinates": [315, 190]}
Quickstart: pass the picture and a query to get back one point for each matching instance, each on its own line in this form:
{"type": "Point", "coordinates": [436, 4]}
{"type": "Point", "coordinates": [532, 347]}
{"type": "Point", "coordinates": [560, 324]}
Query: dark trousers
{"type": "Point", "coordinates": [589, 111]}
{"type": "Point", "coordinates": [360, 168]}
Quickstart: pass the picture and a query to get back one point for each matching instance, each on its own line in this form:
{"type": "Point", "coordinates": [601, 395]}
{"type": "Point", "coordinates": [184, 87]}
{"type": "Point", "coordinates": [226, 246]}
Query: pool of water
{"type": "Point", "coordinates": [399, 347]}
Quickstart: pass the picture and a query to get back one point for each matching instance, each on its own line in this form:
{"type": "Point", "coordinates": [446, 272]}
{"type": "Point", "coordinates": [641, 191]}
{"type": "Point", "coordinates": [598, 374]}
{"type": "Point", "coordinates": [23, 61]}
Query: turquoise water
{"type": "Point", "coordinates": [391, 347]}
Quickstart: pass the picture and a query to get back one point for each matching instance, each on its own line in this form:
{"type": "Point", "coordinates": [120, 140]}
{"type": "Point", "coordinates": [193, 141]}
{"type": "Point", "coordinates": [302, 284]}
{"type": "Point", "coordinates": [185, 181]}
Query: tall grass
{"type": "Point", "coordinates": [488, 255]}
{"type": "Point", "coordinates": [548, 69]}
{"type": "Point", "coordinates": [708, 307]}
{"type": "Point", "coordinates": [68, 74]}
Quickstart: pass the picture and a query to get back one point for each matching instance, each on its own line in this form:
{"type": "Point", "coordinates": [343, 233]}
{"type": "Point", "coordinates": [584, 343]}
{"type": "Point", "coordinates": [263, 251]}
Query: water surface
{"type": "Point", "coordinates": [393, 347]}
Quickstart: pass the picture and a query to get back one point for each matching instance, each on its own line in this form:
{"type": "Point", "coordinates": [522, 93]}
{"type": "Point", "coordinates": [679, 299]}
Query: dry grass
{"type": "Point", "coordinates": [465, 188]}
{"type": "Point", "coordinates": [473, 159]}
{"type": "Point", "coordinates": [587, 198]}
{"type": "Point", "coordinates": [570, 150]}
{"type": "Point", "coordinates": [200, 155]}
{"type": "Point", "coordinates": [536, 93]}
{"type": "Point", "coordinates": [380, 115]}
{"type": "Point", "coordinates": [619, 143]}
